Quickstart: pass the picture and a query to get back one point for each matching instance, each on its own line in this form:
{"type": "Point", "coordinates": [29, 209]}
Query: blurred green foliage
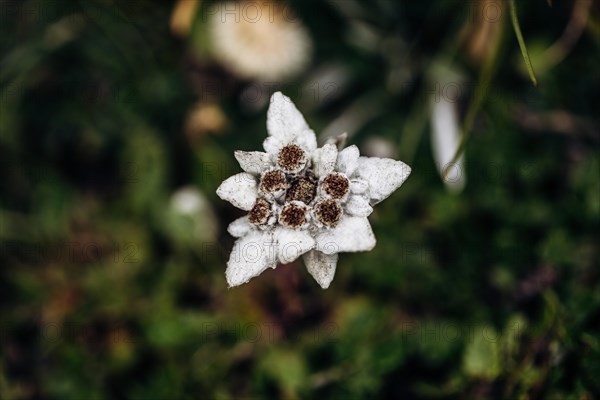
{"type": "Point", "coordinates": [109, 290]}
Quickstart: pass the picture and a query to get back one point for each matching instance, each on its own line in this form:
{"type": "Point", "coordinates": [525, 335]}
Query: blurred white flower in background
{"type": "Point", "coordinates": [190, 217]}
{"type": "Point", "coordinates": [445, 127]}
{"type": "Point", "coordinates": [303, 200]}
{"type": "Point", "coordinates": [258, 40]}
{"type": "Point", "coordinates": [188, 201]}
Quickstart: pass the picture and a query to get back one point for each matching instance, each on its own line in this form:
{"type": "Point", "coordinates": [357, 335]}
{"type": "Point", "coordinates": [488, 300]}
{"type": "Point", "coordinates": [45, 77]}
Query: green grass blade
{"type": "Point", "coordinates": [517, 28]}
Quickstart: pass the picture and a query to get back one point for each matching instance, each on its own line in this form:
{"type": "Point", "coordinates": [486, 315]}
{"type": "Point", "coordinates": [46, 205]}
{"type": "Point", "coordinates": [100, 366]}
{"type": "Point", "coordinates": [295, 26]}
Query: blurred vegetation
{"type": "Point", "coordinates": [116, 127]}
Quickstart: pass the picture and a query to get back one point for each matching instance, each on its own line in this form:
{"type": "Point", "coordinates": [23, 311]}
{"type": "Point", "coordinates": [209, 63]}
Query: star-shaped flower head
{"type": "Point", "coordinates": [303, 200]}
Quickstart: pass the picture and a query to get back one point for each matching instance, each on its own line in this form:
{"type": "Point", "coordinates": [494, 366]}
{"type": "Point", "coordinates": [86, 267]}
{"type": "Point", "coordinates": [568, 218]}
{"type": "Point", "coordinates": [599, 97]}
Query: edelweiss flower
{"type": "Point", "coordinates": [303, 200]}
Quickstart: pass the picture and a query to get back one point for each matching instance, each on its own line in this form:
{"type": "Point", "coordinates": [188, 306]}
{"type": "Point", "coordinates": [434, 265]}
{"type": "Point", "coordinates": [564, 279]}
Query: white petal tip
{"type": "Point", "coordinates": [384, 176]}
{"type": "Point", "coordinates": [321, 267]}
{"type": "Point", "coordinates": [240, 190]}
{"type": "Point", "coordinates": [253, 162]}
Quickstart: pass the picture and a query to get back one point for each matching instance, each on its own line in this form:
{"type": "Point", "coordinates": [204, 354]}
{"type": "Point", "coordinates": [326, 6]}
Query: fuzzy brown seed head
{"type": "Point", "coordinates": [273, 181]}
{"type": "Point", "coordinates": [328, 212]}
{"type": "Point", "coordinates": [302, 189]}
{"type": "Point", "coordinates": [260, 213]}
{"type": "Point", "coordinates": [293, 214]}
{"type": "Point", "coordinates": [291, 158]}
{"type": "Point", "coordinates": [336, 185]}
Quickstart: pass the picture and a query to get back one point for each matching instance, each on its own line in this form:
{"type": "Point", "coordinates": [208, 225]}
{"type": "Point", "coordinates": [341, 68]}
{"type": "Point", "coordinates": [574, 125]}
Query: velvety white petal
{"type": "Point", "coordinates": [240, 227]}
{"type": "Point", "coordinates": [307, 140]}
{"type": "Point", "coordinates": [347, 160]}
{"type": "Point", "coordinates": [283, 118]}
{"type": "Point", "coordinates": [350, 235]}
{"type": "Point", "coordinates": [240, 190]}
{"type": "Point", "coordinates": [253, 162]}
{"type": "Point", "coordinates": [272, 145]}
{"type": "Point", "coordinates": [251, 255]}
{"type": "Point", "coordinates": [358, 186]}
{"type": "Point", "coordinates": [324, 160]}
{"type": "Point", "coordinates": [358, 206]}
{"type": "Point", "coordinates": [321, 266]}
{"type": "Point", "coordinates": [291, 244]}
{"type": "Point", "coordinates": [383, 174]}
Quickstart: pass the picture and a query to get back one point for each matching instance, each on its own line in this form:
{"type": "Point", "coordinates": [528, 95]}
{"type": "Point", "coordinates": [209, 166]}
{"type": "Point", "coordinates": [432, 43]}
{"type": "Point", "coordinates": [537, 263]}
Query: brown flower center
{"type": "Point", "coordinates": [328, 212]}
{"type": "Point", "coordinates": [273, 181]}
{"type": "Point", "coordinates": [291, 158]}
{"type": "Point", "coordinates": [293, 214]}
{"type": "Point", "coordinates": [302, 189]}
{"type": "Point", "coordinates": [260, 213]}
{"type": "Point", "coordinates": [336, 185]}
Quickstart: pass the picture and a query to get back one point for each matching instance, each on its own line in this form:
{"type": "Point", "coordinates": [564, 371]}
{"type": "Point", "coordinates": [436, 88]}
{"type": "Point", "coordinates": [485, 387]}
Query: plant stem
{"type": "Point", "coordinates": [517, 28]}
